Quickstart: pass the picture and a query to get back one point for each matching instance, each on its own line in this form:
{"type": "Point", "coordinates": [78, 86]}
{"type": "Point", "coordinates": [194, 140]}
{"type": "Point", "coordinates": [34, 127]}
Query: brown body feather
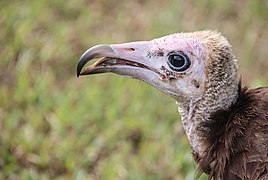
{"type": "Point", "coordinates": [236, 140]}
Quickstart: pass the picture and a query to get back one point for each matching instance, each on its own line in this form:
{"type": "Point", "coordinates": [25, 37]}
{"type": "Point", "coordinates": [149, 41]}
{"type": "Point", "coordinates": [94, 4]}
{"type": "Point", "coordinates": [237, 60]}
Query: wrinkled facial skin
{"type": "Point", "coordinates": [188, 84]}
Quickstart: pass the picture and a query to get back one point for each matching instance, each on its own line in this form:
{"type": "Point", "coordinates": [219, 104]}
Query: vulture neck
{"type": "Point", "coordinates": [195, 114]}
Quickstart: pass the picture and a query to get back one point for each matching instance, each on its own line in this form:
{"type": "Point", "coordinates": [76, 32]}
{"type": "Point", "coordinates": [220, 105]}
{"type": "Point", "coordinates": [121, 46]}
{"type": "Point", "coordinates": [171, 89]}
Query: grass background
{"type": "Point", "coordinates": [56, 126]}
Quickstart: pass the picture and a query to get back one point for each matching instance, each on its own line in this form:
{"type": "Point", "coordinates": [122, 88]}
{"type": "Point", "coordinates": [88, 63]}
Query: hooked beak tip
{"type": "Point", "coordinates": [79, 67]}
{"type": "Point", "coordinates": [94, 52]}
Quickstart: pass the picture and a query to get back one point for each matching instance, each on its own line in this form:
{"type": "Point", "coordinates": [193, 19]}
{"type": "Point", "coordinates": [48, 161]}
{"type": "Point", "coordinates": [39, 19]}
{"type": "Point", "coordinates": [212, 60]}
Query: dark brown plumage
{"type": "Point", "coordinates": [236, 139]}
{"type": "Point", "coordinates": [227, 125]}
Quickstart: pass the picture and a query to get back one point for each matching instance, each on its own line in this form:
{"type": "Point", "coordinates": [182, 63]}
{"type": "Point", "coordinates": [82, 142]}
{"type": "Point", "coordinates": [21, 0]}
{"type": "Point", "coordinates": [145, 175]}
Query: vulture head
{"type": "Point", "coordinates": [197, 69]}
{"type": "Point", "coordinates": [226, 125]}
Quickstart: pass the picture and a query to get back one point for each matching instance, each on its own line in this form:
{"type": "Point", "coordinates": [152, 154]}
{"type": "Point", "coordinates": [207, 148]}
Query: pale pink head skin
{"type": "Point", "coordinates": [193, 47]}
{"type": "Point", "coordinates": [209, 84]}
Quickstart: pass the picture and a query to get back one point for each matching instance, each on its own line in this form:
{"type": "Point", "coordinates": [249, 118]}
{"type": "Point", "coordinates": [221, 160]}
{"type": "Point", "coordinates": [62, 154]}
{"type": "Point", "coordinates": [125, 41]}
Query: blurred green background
{"type": "Point", "coordinates": [56, 126]}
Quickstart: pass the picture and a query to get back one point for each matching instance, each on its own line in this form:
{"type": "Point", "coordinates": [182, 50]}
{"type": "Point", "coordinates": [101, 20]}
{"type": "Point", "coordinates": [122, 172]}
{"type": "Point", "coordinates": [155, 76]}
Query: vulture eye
{"type": "Point", "coordinates": [178, 61]}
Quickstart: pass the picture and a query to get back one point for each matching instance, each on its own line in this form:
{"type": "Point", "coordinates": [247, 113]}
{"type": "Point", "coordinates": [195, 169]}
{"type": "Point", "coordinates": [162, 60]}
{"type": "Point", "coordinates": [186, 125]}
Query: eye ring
{"type": "Point", "coordinates": [178, 61]}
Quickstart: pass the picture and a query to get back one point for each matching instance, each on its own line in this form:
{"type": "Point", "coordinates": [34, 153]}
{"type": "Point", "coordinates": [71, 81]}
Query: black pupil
{"type": "Point", "coordinates": [177, 60]}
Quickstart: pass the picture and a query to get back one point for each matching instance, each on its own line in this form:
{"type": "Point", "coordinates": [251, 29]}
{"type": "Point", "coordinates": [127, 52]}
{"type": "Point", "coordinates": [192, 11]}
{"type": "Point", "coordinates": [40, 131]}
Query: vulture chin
{"type": "Point", "coordinates": [226, 124]}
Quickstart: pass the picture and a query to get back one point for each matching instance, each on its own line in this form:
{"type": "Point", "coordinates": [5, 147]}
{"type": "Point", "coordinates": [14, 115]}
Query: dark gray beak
{"type": "Point", "coordinates": [94, 52]}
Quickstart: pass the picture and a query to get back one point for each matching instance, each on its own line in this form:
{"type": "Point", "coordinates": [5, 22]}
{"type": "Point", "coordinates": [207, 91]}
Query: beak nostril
{"type": "Point", "coordinates": [129, 49]}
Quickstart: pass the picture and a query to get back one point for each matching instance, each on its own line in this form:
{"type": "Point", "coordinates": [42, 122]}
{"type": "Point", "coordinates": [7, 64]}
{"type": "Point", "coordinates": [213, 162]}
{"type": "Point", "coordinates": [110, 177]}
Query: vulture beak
{"type": "Point", "coordinates": [128, 59]}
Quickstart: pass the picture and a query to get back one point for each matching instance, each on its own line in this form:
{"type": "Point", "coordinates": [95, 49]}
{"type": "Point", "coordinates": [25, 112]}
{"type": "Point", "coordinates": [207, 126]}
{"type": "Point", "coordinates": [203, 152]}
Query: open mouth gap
{"type": "Point", "coordinates": [108, 62]}
{"type": "Point", "coordinates": [117, 62]}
